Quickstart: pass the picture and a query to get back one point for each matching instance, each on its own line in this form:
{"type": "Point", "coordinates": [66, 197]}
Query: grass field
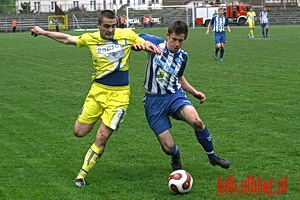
{"type": "Point", "coordinates": [252, 111]}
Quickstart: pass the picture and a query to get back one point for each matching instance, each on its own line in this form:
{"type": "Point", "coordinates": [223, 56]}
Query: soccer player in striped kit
{"type": "Point", "coordinates": [264, 22]}
{"type": "Point", "coordinates": [218, 24]}
{"type": "Point", "coordinates": [164, 96]}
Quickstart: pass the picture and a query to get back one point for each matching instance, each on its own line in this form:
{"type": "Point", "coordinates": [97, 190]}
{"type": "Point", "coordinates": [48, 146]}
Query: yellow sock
{"type": "Point", "coordinates": [251, 32]}
{"type": "Point", "coordinates": [89, 161]}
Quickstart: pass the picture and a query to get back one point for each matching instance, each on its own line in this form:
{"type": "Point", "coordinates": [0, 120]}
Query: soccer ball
{"type": "Point", "coordinates": [180, 181]}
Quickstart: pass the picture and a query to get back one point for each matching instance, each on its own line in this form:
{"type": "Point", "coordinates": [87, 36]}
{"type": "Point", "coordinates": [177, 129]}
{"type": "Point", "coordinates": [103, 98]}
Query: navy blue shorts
{"type": "Point", "coordinates": [159, 108]}
{"type": "Point", "coordinates": [264, 25]}
{"type": "Point", "coordinates": [220, 37]}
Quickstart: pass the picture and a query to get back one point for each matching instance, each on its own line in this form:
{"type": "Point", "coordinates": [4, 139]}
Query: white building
{"type": "Point", "coordinates": [48, 6]}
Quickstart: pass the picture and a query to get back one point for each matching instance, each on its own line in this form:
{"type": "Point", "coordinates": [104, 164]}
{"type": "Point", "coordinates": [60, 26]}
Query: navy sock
{"type": "Point", "coordinates": [267, 31]}
{"type": "Point", "coordinates": [263, 32]}
{"type": "Point", "coordinates": [222, 52]}
{"type": "Point", "coordinates": [217, 50]}
{"type": "Point", "coordinates": [205, 140]}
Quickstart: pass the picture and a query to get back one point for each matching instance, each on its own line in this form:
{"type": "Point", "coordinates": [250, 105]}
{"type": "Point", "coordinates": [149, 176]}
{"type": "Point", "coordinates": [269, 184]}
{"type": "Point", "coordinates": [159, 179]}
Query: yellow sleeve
{"type": "Point", "coordinates": [80, 42]}
{"type": "Point", "coordinates": [136, 39]}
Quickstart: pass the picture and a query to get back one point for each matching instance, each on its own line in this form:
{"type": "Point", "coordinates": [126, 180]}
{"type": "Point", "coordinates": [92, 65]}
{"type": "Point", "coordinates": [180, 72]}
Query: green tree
{"type": "Point", "coordinates": [5, 2]}
{"type": "Point", "coordinates": [26, 8]}
{"type": "Point", "coordinates": [5, 6]}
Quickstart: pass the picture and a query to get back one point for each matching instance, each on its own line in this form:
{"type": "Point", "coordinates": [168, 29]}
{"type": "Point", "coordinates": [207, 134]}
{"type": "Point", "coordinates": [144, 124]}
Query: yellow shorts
{"type": "Point", "coordinates": [251, 24]}
{"type": "Point", "coordinates": [106, 103]}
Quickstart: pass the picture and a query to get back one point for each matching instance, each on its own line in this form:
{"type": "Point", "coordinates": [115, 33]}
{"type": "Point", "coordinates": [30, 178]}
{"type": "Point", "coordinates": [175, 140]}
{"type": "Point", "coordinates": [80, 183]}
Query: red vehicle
{"type": "Point", "coordinates": [236, 13]}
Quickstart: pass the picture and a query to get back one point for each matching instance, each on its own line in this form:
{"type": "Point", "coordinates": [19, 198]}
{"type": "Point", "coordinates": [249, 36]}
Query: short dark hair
{"type": "Point", "coordinates": [178, 27]}
{"type": "Point", "coordinates": [107, 14]}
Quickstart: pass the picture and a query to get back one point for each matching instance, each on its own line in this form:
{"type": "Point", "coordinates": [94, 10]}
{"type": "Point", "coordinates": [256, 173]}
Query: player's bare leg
{"type": "Point", "coordinates": [170, 148]}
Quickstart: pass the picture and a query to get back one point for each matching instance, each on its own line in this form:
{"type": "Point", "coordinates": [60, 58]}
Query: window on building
{"type": "Point", "coordinates": [128, 2]}
{"type": "Point", "coordinates": [36, 6]}
{"type": "Point", "coordinates": [93, 5]}
{"type": "Point", "coordinates": [155, 1]}
{"type": "Point", "coordinates": [143, 1]}
{"type": "Point", "coordinates": [53, 5]}
{"type": "Point", "coordinates": [76, 4]}
{"type": "Point", "coordinates": [114, 2]}
{"type": "Point", "coordinates": [121, 2]}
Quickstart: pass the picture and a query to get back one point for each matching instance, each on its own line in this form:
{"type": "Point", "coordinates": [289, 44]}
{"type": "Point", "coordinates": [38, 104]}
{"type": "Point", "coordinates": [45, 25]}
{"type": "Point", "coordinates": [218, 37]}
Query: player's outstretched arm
{"type": "Point", "coordinates": [57, 36]}
{"type": "Point", "coordinates": [148, 46]}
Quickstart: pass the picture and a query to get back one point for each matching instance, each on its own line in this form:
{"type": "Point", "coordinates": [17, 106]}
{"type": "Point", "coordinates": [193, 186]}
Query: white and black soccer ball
{"type": "Point", "coordinates": [180, 181]}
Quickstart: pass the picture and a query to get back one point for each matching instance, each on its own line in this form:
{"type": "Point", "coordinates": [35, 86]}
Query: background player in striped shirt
{"type": "Point", "coordinates": [164, 98]}
{"type": "Point", "coordinates": [218, 24]}
{"type": "Point", "coordinates": [108, 97]}
{"type": "Point", "coordinates": [264, 22]}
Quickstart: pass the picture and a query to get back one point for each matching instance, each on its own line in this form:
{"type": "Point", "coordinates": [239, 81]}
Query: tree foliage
{"type": "Point", "coordinates": [5, 2]}
{"type": "Point", "coordinates": [26, 8]}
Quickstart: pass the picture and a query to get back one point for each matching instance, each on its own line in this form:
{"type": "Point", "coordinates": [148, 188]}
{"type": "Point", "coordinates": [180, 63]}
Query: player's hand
{"type": "Point", "coordinates": [35, 31]}
{"type": "Point", "coordinates": [207, 32]}
{"type": "Point", "coordinates": [33, 34]}
{"type": "Point", "coordinates": [138, 47]}
{"type": "Point", "coordinates": [201, 96]}
{"type": "Point", "coordinates": [152, 48]}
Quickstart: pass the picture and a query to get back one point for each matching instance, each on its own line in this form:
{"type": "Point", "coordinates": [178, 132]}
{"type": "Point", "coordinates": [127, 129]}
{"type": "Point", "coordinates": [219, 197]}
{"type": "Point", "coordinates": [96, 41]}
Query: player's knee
{"type": "Point", "coordinates": [197, 124]}
{"type": "Point", "coordinates": [79, 133]}
{"type": "Point", "coordinates": [81, 129]}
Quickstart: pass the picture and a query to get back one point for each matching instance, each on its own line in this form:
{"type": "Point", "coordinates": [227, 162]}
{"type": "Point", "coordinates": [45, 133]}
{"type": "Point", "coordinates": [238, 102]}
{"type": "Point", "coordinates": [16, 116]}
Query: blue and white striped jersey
{"type": "Point", "coordinates": [162, 71]}
{"type": "Point", "coordinates": [264, 16]}
{"type": "Point", "coordinates": [218, 24]}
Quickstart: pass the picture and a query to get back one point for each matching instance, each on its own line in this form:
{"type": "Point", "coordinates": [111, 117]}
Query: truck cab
{"type": "Point", "coordinates": [237, 13]}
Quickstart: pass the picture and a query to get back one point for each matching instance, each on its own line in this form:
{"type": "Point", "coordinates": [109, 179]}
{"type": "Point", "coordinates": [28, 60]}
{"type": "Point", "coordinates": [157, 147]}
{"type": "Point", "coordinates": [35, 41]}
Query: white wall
{"type": "Point", "coordinates": [47, 6]}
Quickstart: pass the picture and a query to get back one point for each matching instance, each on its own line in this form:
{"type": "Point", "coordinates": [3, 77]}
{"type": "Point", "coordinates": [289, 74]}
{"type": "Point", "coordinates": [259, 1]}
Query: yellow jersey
{"type": "Point", "coordinates": [251, 16]}
{"type": "Point", "coordinates": [110, 56]}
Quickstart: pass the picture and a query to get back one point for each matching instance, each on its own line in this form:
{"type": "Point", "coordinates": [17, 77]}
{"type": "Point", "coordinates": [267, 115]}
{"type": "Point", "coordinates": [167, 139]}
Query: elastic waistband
{"type": "Point", "coordinates": [113, 88]}
{"type": "Point", "coordinates": [151, 94]}
{"type": "Point", "coordinates": [118, 78]}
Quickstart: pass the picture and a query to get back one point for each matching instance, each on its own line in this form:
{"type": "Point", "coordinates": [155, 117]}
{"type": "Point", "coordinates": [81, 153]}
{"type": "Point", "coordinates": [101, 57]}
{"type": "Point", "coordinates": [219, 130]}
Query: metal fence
{"type": "Point", "coordinates": [23, 24]}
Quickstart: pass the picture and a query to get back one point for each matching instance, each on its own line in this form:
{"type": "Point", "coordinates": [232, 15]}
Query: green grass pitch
{"type": "Point", "coordinates": [252, 111]}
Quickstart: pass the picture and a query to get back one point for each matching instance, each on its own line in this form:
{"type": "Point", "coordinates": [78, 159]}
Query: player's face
{"type": "Point", "coordinates": [220, 12]}
{"type": "Point", "coordinates": [174, 41]}
{"type": "Point", "coordinates": [107, 28]}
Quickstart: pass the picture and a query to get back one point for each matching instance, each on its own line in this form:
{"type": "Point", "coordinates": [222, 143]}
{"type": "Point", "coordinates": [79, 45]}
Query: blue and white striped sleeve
{"type": "Point", "coordinates": [152, 38]}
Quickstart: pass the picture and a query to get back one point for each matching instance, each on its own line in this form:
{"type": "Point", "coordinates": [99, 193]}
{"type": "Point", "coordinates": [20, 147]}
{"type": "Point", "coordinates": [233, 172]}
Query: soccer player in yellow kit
{"type": "Point", "coordinates": [251, 17]}
{"type": "Point", "coordinates": [108, 97]}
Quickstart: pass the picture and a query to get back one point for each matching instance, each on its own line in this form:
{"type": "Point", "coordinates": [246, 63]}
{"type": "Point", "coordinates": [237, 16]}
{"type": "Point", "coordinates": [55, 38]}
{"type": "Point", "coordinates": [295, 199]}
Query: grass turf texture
{"type": "Point", "coordinates": [252, 111]}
